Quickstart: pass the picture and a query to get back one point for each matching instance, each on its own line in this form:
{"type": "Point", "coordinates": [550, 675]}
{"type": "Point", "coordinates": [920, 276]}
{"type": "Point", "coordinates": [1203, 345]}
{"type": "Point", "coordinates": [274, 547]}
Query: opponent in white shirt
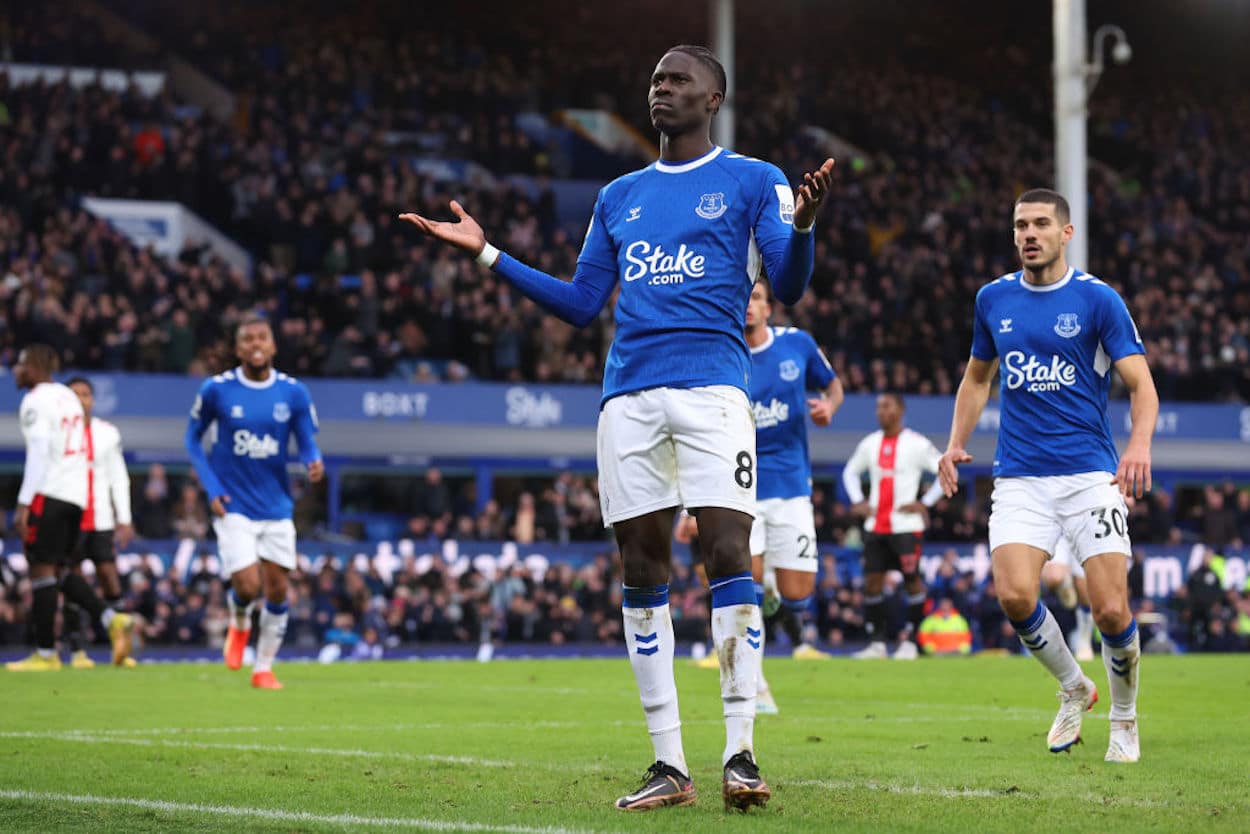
{"type": "Point", "coordinates": [50, 505]}
{"type": "Point", "coordinates": [106, 519]}
{"type": "Point", "coordinates": [895, 459]}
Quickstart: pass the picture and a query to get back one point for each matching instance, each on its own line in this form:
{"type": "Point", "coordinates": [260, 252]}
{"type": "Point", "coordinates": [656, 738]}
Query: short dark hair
{"type": "Point", "coordinates": [248, 321]}
{"type": "Point", "coordinates": [44, 357]}
{"type": "Point", "coordinates": [707, 58]}
{"type": "Point", "coordinates": [763, 281]}
{"type": "Point", "coordinates": [80, 380]}
{"type": "Point", "coordinates": [1063, 212]}
{"type": "Point", "coordinates": [897, 397]}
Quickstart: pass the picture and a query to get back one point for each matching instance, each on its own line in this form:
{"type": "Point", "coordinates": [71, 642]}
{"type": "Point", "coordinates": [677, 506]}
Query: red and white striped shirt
{"type": "Point", "coordinates": [895, 465]}
{"type": "Point", "coordinates": [108, 499]}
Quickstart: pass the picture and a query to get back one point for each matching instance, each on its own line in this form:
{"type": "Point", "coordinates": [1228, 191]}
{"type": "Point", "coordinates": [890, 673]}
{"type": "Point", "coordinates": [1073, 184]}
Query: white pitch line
{"type": "Point", "coordinates": [80, 738]}
{"type": "Point", "coordinates": [284, 816]}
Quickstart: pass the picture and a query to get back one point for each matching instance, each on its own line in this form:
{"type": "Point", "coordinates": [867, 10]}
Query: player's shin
{"type": "Point", "coordinates": [240, 612]}
{"type": "Point", "coordinates": [1121, 654]}
{"type": "Point", "coordinates": [43, 613]}
{"type": "Point", "coordinates": [737, 631]}
{"type": "Point", "coordinates": [649, 639]}
{"type": "Point", "coordinates": [1041, 634]}
{"type": "Point", "coordinates": [273, 619]}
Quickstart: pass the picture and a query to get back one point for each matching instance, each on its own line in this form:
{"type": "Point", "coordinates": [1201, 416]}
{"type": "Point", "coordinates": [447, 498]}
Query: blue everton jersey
{"type": "Point", "coordinates": [1056, 345]}
{"type": "Point", "coordinates": [783, 370]}
{"type": "Point", "coordinates": [248, 457]}
{"type": "Point", "coordinates": [685, 240]}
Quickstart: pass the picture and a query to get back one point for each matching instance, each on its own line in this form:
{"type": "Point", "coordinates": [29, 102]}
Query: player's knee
{"type": "Point", "coordinates": [1017, 605]}
{"type": "Point", "coordinates": [727, 554]}
{"type": "Point", "coordinates": [1112, 617]}
{"type": "Point", "coordinates": [246, 587]}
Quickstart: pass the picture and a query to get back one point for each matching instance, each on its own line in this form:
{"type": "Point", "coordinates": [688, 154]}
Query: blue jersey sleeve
{"type": "Point", "coordinates": [819, 372]}
{"type": "Point", "coordinates": [982, 339]}
{"type": "Point", "coordinates": [203, 415]}
{"type": "Point", "coordinates": [598, 249]}
{"type": "Point", "coordinates": [1118, 333]}
{"type": "Point", "coordinates": [305, 425]}
{"type": "Point", "coordinates": [788, 255]}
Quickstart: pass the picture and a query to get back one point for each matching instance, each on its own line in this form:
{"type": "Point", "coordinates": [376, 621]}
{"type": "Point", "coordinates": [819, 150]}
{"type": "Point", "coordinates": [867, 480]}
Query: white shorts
{"type": "Point", "coordinates": [241, 541]}
{"type": "Point", "coordinates": [1063, 556]}
{"type": "Point", "coordinates": [1086, 509]}
{"type": "Point", "coordinates": [676, 447]}
{"type": "Point", "coordinates": [784, 532]}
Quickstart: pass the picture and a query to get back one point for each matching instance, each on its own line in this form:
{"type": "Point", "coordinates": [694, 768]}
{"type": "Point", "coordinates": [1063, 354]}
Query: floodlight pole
{"type": "Point", "coordinates": [1074, 81]}
{"type": "Point", "coordinates": [1071, 158]}
{"type": "Point", "coordinates": [721, 24]}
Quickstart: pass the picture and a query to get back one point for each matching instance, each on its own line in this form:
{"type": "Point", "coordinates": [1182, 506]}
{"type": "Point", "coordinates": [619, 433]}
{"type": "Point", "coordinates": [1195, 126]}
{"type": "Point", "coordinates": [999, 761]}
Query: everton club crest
{"type": "Point", "coordinates": [1067, 325]}
{"type": "Point", "coordinates": [711, 206]}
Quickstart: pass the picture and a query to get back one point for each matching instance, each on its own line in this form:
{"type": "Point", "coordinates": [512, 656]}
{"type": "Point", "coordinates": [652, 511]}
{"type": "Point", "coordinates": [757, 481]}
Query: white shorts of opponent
{"type": "Point", "coordinates": [241, 541]}
{"type": "Point", "coordinates": [1085, 509]}
{"type": "Point", "coordinates": [784, 532]}
{"type": "Point", "coordinates": [676, 447]}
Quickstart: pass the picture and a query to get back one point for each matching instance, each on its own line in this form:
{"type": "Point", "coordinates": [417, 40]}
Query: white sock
{"type": "Point", "coordinates": [649, 639]}
{"type": "Point", "coordinates": [1044, 640]}
{"type": "Point", "coordinates": [106, 618]}
{"type": "Point", "coordinates": [240, 614]}
{"type": "Point", "coordinates": [1121, 654]}
{"type": "Point", "coordinates": [1084, 627]}
{"type": "Point", "coordinates": [738, 631]}
{"type": "Point", "coordinates": [272, 629]}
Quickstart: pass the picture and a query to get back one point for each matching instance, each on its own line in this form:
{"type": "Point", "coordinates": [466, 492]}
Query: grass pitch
{"type": "Point", "coordinates": [544, 746]}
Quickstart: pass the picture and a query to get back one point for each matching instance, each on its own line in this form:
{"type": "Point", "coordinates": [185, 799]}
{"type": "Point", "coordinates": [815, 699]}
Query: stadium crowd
{"type": "Point", "coordinates": [336, 112]}
{"type": "Point", "coordinates": [334, 118]}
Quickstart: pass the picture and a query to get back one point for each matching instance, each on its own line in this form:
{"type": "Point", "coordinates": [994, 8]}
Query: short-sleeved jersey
{"type": "Point", "coordinates": [895, 467]}
{"type": "Point", "coordinates": [684, 242]}
{"type": "Point", "coordinates": [1056, 345]}
{"type": "Point", "coordinates": [253, 426]}
{"type": "Point", "coordinates": [108, 502]}
{"type": "Point", "coordinates": [783, 369]}
{"type": "Point", "coordinates": [54, 426]}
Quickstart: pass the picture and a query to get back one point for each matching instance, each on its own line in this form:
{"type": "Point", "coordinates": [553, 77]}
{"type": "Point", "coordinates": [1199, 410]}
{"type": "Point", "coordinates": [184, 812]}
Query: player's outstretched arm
{"type": "Point", "coordinates": [973, 393]}
{"type": "Point", "coordinates": [577, 301]}
{"type": "Point", "coordinates": [1133, 474]}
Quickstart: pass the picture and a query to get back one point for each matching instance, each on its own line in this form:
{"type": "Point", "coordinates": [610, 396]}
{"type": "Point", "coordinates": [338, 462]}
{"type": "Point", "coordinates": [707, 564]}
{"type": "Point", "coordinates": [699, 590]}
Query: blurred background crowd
{"type": "Point", "coordinates": [338, 110]}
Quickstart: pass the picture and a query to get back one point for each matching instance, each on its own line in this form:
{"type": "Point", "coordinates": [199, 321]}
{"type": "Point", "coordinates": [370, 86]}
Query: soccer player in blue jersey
{"type": "Point", "coordinates": [1054, 333]}
{"type": "Point", "coordinates": [682, 239]}
{"type": "Point", "coordinates": [785, 365]}
{"type": "Point", "coordinates": [254, 410]}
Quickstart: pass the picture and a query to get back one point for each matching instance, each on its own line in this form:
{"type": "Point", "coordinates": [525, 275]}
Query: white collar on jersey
{"type": "Point", "coordinates": [1067, 276]}
{"type": "Point", "coordinates": [766, 344]}
{"type": "Point", "coordinates": [682, 167]}
{"type": "Point", "coordinates": [242, 377]}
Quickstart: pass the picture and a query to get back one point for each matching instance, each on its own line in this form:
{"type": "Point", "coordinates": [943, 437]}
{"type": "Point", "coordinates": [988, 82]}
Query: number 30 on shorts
{"type": "Point", "coordinates": [744, 475]}
{"type": "Point", "coordinates": [1108, 519]}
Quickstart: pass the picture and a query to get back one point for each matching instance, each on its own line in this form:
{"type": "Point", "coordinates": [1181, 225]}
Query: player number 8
{"type": "Point", "coordinates": [744, 474]}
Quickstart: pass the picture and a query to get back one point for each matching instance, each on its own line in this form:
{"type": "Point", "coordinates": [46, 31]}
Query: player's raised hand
{"type": "Point", "coordinates": [316, 471]}
{"type": "Point", "coordinates": [948, 472]}
{"type": "Point", "coordinates": [811, 193]}
{"type": "Point", "coordinates": [1132, 476]}
{"type": "Point", "coordinates": [820, 410]}
{"type": "Point", "coordinates": [464, 234]}
{"type": "Point", "coordinates": [218, 505]}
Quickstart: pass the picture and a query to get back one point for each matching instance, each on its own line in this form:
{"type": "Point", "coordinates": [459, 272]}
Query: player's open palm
{"type": "Point", "coordinates": [948, 469]}
{"type": "Point", "coordinates": [811, 193]}
{"type": "Point", "coordinates": [464, 234]}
